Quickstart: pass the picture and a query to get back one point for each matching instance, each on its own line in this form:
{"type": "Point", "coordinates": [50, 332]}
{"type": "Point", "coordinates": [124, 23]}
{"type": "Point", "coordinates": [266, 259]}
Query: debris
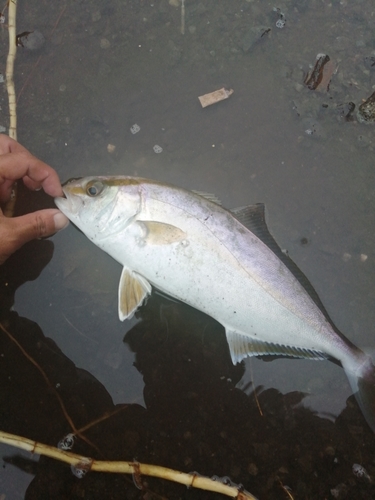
{"type": "Point", "coordinates": [214, 97]}
{"type": "Point", "coordinates": [321, 75]}
{"type": "Point", "coordinates": [313, 128]}
{"type": "Point", "coordinates": [360, 472]}
{"type": "Point", "coordinates": [66, 443]}
{"type": "Point", "coordinates": [158, 149]}
{"type": "Point", "coordinates": [253, 36]}
{"type": "Point", "coordinates": [280, 23]}
{"type": "Point", "coordinates": [30, 40]}
{"type": "Point", "coordinates": [134, 129]}
{"type": "Point", "coordinates": [111, 148]}
{"type": "Point", "coordinates": [345, 110]}
{"type": "Point", "coordinates": [366, 111]}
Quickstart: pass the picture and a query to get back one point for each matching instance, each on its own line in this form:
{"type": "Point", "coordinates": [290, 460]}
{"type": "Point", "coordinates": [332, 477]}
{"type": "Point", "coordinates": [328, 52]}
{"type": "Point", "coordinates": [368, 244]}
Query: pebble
{"type": "Point", "coordinates": [366, 111]}
{"type": "Point", "coordinates": [158, 149]}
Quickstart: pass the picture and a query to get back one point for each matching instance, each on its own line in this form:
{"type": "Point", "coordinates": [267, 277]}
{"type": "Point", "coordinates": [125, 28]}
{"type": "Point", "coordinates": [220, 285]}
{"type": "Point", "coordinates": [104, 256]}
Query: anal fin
{"type": "Point", "coordinates": [242, 346]}
{"type": "Point", "coordinates": [132, 291]}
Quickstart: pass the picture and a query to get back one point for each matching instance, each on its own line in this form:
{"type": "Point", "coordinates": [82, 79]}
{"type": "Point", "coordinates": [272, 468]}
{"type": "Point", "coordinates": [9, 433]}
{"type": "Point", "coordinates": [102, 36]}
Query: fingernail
{"type": "Point", "coordinates": [61, 221]}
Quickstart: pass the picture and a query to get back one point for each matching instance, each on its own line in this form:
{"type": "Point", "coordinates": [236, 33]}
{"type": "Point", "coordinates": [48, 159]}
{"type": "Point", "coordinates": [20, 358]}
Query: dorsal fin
{"type": "Point", "coordinates": [253, 217]}
{"type": "Point", "coordinates": [208, 196]}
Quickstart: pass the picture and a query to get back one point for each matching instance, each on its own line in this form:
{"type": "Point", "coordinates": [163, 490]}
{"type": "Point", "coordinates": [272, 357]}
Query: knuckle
{"type": "Point", "coordinates": [40, 226]}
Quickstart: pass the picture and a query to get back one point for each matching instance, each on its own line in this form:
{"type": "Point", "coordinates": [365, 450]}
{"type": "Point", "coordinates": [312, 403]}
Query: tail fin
{"type": "Point", "coordinates": [362, 383]}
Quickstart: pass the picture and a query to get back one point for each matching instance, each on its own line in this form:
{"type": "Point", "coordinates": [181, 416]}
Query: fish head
{"type": "Point", "coordinates": [100, 206]}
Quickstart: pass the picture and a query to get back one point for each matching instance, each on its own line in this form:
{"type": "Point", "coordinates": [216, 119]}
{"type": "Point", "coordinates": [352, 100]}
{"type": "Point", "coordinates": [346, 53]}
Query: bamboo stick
{"type": "Point", "coordinates": [12, 10]}
{"type": "Point", "coordinates": [85, 464]}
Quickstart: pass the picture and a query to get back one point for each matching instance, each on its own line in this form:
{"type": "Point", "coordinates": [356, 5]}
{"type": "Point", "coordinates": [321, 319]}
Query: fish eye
{"type": "Point", "coordinates": [94, 188]}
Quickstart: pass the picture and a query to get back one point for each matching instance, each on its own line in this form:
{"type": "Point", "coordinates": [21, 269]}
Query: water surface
{"type": "Point", "coordinates": [106, 66]}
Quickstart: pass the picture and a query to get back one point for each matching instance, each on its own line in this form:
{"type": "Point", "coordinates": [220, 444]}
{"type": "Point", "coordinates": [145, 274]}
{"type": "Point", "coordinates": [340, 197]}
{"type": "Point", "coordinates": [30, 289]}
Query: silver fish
{"type": "Point", "coordinates": [224, 263]}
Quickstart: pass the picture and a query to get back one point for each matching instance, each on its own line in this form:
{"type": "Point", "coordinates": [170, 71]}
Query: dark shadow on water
{"type": "Point", "coordinates": [195, 419]}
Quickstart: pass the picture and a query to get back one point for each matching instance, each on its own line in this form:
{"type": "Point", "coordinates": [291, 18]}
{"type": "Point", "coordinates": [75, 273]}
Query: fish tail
{"type": "Point", "coordinates": [362, 382]}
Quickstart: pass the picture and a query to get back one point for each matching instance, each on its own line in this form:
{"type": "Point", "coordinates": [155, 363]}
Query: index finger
{"type": "Point", "coordinates": [20, 164]}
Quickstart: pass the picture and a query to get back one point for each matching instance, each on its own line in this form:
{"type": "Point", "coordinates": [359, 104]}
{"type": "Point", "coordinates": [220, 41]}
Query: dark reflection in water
{"type": "Point", "coordinates": [195, 419]}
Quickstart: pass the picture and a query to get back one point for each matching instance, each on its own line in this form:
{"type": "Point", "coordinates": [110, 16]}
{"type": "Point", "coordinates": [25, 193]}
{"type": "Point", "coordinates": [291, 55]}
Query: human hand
{"type": "Point", "coordinates": [17, 163]}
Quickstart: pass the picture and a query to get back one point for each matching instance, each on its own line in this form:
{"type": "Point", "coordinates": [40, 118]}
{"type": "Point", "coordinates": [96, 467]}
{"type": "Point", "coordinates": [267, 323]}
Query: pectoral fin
{"type": "Point", "coordinates": [160, 233]}
{"type": "Point", "coordinates": [241, 346]}
{"type": "Point", "coordinates": [132, 291]}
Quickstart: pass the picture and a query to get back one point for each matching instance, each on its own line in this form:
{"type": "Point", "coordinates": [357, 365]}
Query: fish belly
{"type": "Point", "coordinates": [204, 272]}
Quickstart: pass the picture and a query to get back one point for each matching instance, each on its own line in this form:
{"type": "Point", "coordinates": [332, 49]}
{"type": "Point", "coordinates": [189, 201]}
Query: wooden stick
{"type": "Point", "coordinates": [86, 464]}
{"type": "Point", "coordinates": [12, 10]}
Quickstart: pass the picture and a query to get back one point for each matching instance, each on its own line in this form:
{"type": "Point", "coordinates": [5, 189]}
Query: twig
{"type": "Point", "coordinates": [255, 390]}
{"type": "Point", "coordinates": [50, 386]}
{"type": "Point", "coordinates": [12, 10]}
{"type": "Point", "coordinates": [82, 463]}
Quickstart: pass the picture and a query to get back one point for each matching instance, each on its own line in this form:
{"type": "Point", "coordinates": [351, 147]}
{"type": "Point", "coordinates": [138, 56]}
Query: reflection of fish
{"type": "Point", "coordinates": [224, 263]}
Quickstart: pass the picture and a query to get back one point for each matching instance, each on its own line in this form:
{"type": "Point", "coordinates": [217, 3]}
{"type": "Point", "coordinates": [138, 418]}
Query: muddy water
{"type": "Point", "coordinates": [106, 66]}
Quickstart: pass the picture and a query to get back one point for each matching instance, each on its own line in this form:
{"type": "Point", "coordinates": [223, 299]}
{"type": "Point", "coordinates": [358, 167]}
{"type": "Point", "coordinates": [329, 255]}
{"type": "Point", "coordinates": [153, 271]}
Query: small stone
{"type": "Point", "coordinates": [363, 257]}
{"type": "Point", "coordinates": [366, 111]}
{"type": "Point", "coordinates": [62, 87]}
{"type": "Point", "coordinates": [158, 149]}
{"type": "Point", "coordinates": [105, 43]}
{"type": "Point", "coordinates": [111, 148]}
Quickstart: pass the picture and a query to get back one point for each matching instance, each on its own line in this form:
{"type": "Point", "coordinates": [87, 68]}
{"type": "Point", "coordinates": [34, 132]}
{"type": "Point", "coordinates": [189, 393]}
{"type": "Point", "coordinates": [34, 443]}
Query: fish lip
{"type": "Point", "coordinates": [68, 204]}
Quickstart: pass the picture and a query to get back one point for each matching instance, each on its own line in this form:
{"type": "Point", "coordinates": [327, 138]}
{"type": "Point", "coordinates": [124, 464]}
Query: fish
{"type": "Point", "coordinates": [222, 262]}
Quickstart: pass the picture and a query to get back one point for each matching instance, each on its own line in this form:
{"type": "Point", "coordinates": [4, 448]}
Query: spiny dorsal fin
{"type": "Point", "coordinates": [208, 196]}
{"type": "Point", "coordinates": [132, 291]}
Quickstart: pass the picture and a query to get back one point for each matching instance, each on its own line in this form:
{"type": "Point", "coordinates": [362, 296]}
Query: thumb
{"type": "Point", "coordinates": [15, 232]}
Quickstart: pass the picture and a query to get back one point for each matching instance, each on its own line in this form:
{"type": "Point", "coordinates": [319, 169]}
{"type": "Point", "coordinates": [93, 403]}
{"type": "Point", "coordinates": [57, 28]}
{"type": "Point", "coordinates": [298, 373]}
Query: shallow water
{"type": "Point", "coordinates": [106, 66]}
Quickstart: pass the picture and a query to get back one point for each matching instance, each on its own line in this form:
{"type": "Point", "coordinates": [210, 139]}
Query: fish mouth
{"type": "Point", "coordinates": [68, 204]}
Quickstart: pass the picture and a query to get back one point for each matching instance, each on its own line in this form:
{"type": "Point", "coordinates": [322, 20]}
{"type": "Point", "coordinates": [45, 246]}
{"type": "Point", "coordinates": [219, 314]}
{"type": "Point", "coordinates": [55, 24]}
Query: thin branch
{"type": "Point", "coordinates": [86, 464]}
{"type": "Point", "coordinates": [12, 10]}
